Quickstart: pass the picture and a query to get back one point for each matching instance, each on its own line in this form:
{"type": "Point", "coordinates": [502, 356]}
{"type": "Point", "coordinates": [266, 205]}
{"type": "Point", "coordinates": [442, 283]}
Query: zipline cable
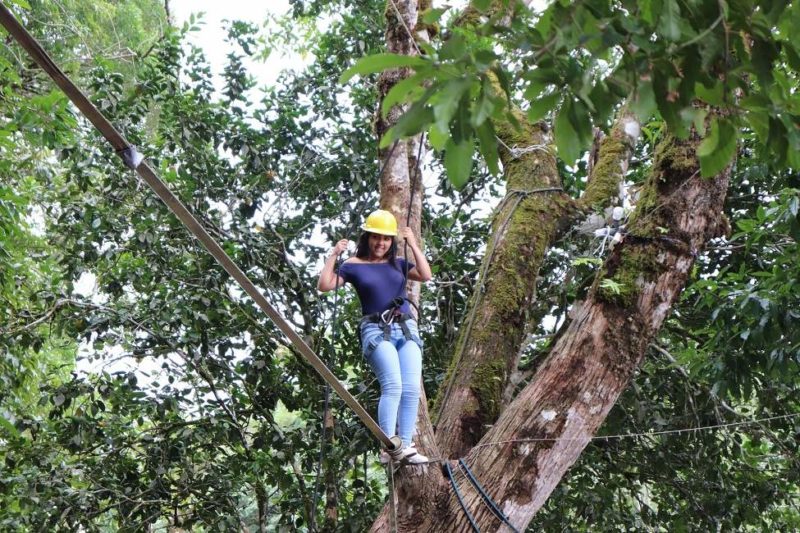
{"type": "Point", "coordinates": [135, 161]}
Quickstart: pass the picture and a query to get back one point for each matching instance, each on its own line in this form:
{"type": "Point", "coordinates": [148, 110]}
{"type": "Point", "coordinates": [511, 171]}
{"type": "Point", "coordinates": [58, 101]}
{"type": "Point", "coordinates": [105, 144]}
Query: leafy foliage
{"type": "Point", "coordinates": [582, 59]}
{"type": "Point", "coordinates": [165, 399]}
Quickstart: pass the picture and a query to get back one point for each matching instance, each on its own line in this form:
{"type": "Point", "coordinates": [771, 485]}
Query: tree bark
{"type": "Point", "coordinates": [401, 162]}
{"type": "Point", "coordinates": [532, 443]}
{"type": "Point", "coordinates": [541, 434]}
{"type": "Point", "coordinates": [526, 224]}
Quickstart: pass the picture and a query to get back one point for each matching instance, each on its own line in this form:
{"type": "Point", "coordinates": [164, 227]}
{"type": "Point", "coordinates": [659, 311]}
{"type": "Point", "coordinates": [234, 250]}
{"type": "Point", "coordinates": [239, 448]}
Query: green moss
{"type": "Point", "coordinates": [607, 172]}
{"type": "Point", "coordinates": [675, 155]}
{"type": "Point", "coordinates": [487, 385]}
{"type": "Point", "coordinates": [423, 7]}
{"type": "Point", "coordinates": [672, 158]}
{"type": "Point", "coordinates": [635, 266]}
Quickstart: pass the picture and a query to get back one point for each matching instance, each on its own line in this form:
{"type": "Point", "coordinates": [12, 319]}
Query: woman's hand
{"type": "Point", "coordinates": [422, 270]}
{"type": "Point", "coordinates": [328, 279]}
{"type": "Point", "coordinates": [340, 247]}
{"type": "Point", "coordinates": [408, 234]}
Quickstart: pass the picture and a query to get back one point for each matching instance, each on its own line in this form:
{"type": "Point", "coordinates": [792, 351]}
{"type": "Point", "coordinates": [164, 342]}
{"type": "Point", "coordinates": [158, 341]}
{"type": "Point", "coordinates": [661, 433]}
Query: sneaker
{"type": "Point", "coordinates": [384, 457]}
{"type": "Point", "coordinates": [408, 455]}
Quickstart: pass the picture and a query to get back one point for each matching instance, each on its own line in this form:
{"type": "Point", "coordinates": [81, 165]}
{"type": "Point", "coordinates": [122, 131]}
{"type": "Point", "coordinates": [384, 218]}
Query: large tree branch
{"type": "Point", "coordinates": [526, 224]}
{"type": "Point", "coordinates": [533, 443]}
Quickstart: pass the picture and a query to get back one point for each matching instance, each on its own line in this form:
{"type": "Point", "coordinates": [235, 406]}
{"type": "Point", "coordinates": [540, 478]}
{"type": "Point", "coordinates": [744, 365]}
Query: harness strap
{"type": "Point", "coordinates": [406, 330]}
{"type": "Point", "coordinates": [386, 319]}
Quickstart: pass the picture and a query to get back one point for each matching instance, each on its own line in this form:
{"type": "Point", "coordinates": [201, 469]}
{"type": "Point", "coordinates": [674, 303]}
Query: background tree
{"type": "Point", "coordinates": [194, 415]}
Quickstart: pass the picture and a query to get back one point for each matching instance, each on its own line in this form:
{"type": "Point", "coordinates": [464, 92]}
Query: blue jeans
{"type": "Point", "coordinates": [397, 364]}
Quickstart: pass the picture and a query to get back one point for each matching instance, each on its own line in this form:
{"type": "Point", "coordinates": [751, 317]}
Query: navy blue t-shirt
{"type": "Point", "coordinates": [377, 284]}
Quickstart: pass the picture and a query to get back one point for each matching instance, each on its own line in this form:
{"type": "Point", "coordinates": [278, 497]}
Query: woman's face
{"type": "Point", "coordinates": [379, 245]}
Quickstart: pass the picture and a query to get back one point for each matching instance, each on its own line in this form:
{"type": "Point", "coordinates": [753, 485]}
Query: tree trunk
{"type": "Point", "coordinates": [401, 160]}
{"type": "Point", "coordinates": [526, 223]}
{"type": "Point", "coordinates": [541, 434]}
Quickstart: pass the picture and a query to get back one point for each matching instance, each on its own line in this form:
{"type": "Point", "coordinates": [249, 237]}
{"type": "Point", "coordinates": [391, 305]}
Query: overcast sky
{"type": "Point", "coordinates": [212, 37]}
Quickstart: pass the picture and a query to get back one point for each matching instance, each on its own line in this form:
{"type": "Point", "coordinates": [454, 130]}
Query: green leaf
{"type": "Point", "coordinates": [484, 59]}
{"type": "Point", "coordinates": [437, 137]}
{"type": "Point", "coordinates": [763, 57]}
{"type": "Point", "coordinates": [777, 140]}
{"type": "Point", "coordinates": [412, 122]}
{"type": "Point", "coordinates": [580, 261]}
{"type": "Point", "coordinates": [9, 427]}
{"type": "Point", "coordinates": [433, 15]}
{"type": "Point", "coordinates": [713, 95]}
{"type": "Point", "coordinates": [505, 83]}
{"type": "Point", "coordinates": [285, 419]}
{"type": "Point", "coordinates": [710, 143]}
{"type": "Point", "coordinates": [458, 161]}
{"type": "Point", "coordinates": [696, 117]}
{"type": "Point", "coordinates": [446, 101]}
{"type": "Point", "coordinates": [603, 101]}
{"type": "Point", "coordinates": [542, 106]}
{"type": "Point", "coordinates": [565, 134]}
{"type": "Point", "coordinates": [379, 63]}
{"type": "Point", "coordinates": [482, 5]}
{"type": "Point", "coordinates": [460, 127]}
{"type": "Point", "coordinates": [484, 108]}
{"type": "Point", "coordinates": [454, 48]}
{"type": "Point", "coordinates": [644, 102]}
{"type": "Point", "coordinates": [718, 149]}
{"type": "Point", "coordinates": [663, 89]}
{"type": "Point", "coordinates": [403, 91]}
{"type": "Point", "coordinates": [582, 122]}
{"type": "Point", "coordinates": [792, 57]}
{"type": "Point", "coordinates": [611, 286]}
{"type": "Point", "coordinates": [648, 10]}
{"type": "Point", "coordinates": [488, 146]}
{"type": "Point", "coordinates": [670, 22]}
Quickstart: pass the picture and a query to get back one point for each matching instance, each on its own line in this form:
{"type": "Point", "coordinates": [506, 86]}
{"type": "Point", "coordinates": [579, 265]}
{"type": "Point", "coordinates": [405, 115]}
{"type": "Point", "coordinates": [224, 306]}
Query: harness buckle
{"type": "Point", "coordinates": [388, 316]}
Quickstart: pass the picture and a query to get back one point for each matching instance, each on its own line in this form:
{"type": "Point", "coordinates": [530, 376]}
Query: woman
{"type": "Point", "coordinates": [389, 336]}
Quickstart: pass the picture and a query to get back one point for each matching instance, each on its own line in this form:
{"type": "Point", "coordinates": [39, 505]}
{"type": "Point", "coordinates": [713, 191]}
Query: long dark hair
{"type": "Point", "coordinates": [362, 250]}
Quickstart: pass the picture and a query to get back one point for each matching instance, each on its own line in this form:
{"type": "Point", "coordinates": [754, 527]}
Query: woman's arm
{"type": "Point", "coordinates": [328, 279]}
{"type": "Point", "coordinates": [421, 270]}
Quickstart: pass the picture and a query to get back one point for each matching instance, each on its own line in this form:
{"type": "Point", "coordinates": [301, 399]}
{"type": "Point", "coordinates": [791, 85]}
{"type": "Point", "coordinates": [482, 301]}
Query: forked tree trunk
{"type": "Point", "coordinates": [541, 434]}
{"type": "Point", "coordinates": [533, 215]}
{"type": "Point", "coordinates": [543, 431]}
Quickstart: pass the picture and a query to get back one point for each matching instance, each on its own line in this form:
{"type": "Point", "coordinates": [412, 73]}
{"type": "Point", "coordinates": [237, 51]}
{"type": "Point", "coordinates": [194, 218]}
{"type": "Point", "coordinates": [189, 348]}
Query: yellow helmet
{"type": "Point", "coordinates": [382, 222]}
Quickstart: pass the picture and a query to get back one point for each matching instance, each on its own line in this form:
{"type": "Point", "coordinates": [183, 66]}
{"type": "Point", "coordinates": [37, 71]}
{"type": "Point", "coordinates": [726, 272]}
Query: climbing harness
{"type": "Point", "coordinates": [391, 316]}
{"type": "Point", "coordinates": [128, 153]}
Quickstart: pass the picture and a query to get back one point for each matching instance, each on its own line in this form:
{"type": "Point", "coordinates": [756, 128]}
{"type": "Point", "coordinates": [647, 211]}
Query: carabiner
{"type": "Point", "coordinates": [391, 316]}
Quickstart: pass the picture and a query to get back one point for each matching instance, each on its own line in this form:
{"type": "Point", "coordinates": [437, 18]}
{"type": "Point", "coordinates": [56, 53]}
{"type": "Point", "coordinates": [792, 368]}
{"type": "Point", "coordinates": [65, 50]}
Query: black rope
{"type": "Point", "coordinates": [460, 499]}
{"type": "Point", "coordinates": [533, 191]}
{"type": "Point", "coordinates": [414, 176]}
{"type": "Point", "coordinates": [489, 501]}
